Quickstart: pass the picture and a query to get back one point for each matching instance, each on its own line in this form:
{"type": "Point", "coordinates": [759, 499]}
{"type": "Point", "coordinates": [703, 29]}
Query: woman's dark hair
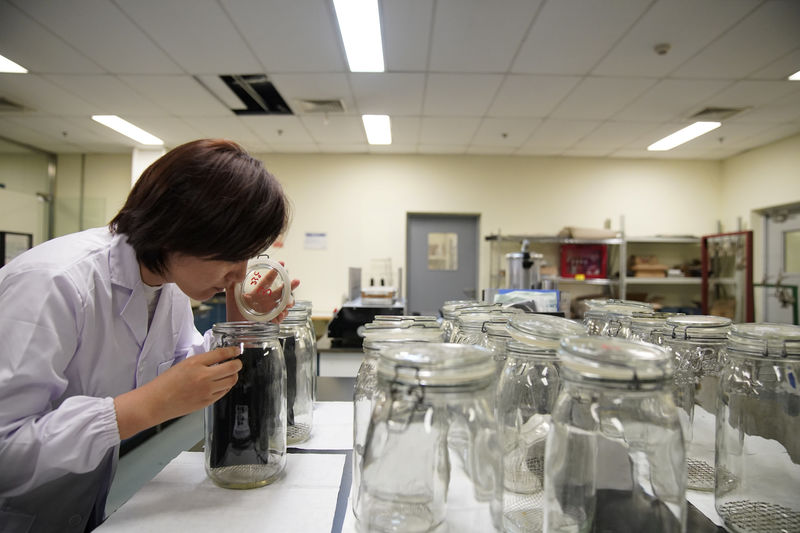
{"type": "Point", "coordinates": [206, 198]}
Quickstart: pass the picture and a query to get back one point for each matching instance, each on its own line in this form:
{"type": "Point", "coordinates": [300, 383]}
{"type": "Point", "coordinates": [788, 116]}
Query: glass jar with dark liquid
{"type": "Point", "coordinates": [245, 430]}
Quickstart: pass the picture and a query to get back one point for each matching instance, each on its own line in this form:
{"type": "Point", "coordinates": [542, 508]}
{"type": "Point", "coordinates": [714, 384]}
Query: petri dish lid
{"type": "Point", "coordinates": [437, 364]}
{"type": "Point", "coordinates": [265, 291]}
{"type": "Point", "coordinates": [543, 330]}
{"type": "Point", "coordinates": [696, 327]}
{"type": "Point", "coordinates": [612, 359]}
{"type": "Point", "coordinates": [765, 339]}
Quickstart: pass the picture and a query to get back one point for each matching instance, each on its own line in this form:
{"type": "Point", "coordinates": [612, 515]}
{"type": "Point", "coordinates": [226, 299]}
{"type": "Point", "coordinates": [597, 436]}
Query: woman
{"type": "Point", "coordinates": [96, 329]}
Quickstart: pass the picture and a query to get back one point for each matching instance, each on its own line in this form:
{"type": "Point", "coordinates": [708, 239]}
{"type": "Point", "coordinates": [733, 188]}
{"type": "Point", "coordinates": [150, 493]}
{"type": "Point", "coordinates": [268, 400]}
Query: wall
{"type": "Point", "coordinates": [21, 210]}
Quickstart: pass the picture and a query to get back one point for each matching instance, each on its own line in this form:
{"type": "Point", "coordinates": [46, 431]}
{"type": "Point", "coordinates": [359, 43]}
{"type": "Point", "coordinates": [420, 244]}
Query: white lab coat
{"type": "Point", "coordinates": [73, 335]}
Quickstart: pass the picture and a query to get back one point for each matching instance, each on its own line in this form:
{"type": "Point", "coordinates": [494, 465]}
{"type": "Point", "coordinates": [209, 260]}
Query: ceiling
{"type": "Point", "coordinates": [513, 77]}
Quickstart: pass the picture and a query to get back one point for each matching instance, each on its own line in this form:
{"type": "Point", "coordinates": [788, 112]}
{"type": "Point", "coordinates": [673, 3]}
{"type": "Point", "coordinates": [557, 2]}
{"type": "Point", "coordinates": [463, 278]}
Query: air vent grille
{"type": "Point", "coordinates": [320, 106]}
{"type": "Point", "coordinates": [716, 114]}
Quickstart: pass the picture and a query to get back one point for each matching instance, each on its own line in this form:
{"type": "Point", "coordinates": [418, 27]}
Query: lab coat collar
{"type": "Point", "coordinates": [125, 273]}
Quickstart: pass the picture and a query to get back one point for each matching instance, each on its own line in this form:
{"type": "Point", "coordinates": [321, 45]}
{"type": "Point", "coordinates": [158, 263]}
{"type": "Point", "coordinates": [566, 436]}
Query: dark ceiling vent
{"type": "Point", "coordinates": [717, 114]}
{"type": "Point", "coordinates": [7, 106]}
{"type": "Point", "coordinates": [257, 93]}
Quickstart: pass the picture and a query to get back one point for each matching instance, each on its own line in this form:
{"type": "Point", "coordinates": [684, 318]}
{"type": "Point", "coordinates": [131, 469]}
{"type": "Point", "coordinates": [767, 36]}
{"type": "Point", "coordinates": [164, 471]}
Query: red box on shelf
{"type": "Point", "coordinates": [588, 260]}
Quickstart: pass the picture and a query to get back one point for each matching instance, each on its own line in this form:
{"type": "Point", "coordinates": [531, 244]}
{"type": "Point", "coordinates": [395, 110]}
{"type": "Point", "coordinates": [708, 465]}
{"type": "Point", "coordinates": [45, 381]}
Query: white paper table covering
{"type": "Point", "coordinates": [332, 427]}
{"type": "Point", "coordinates": [182, 498]}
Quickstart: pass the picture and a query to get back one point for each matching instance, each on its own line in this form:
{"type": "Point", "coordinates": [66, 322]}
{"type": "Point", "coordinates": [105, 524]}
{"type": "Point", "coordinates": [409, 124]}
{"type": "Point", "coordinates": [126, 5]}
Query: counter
{"type": "Point", "coordinates": [312, 496]}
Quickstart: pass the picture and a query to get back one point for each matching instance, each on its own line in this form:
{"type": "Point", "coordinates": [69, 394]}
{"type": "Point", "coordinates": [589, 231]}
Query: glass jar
{"type": "Point", "coordinates": [603, 317]}
{"type": "Point", "coordinates": [646, 327]}
{"type": "Point", "coordinates": [366, 386]}
{"type": "Point", "coordinates": [526, 393]}
{"type": "Point", "coordinates": [245, 430]}
{"type": "Point", "coordinates": [299, 352]}
{"type": "Point", "coordinates": [696, 343]}
{"type": "Point", "coordinates": [614, 459]}
{"type": "Point", "coordinates": [308, 307]}
{"type": "Point", "coordinates": [495, 337]}
{"type": "Point", "coordinates": [469, 327]}
{"type": "Point", "coordinates": [451, 310]}
{"type": "Point", "coordinates": [758, 430]}
{"type": "Point", "coordinates": [422, 389]}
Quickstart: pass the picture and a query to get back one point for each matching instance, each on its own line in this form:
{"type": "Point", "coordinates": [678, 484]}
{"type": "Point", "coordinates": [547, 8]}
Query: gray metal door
{"type": "Point", "coordinates": [782, 265]}
{"type": "Point", "coordinates": [441, 260]}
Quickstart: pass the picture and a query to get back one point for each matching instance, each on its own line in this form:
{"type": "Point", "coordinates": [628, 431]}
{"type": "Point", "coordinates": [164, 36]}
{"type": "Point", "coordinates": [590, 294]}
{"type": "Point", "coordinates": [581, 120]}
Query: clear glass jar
{"type": "Point", "coordinates": [697, 343]}
{"type": "Point", "coordinates": [597, 319]}
{"type": "Point", "coordinates": [451, 310]}
{"type": "Point", "coordinates": [366, 386]}
{"type": "Point", "coordinates": [495, 337]}
{"type": "Point", "coordinates": [646, 327]}
{"type": "Point", "coordinates": [526, 393]}
{"type": "Point", "coordinates": [299, 352]}
{"type": "Point", "coordinates": [245, 430]}
{"type": "Point", "coordinates": [469, 328]}
{"type": "Point", "coordinates": [758, 430]}
{"type": "Point", "coordinates": [614, 459]}
{"type": "Point", "coordinates": [422, 389]}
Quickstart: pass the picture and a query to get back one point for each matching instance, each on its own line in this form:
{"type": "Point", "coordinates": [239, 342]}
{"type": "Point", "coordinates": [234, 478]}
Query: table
{"type": "Point", "coordinates": [312, 496]}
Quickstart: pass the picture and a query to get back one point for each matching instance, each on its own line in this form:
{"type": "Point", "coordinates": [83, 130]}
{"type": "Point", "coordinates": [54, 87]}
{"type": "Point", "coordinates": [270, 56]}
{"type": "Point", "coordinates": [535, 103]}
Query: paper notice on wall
{"type": "Point", "coordinates": [442, 251]}
{"type": "Point", "coordinates": [316, 241]}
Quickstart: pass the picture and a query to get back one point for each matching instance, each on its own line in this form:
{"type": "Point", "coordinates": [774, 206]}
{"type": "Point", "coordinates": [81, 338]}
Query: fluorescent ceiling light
{"type": "Point", "coordinates": [378, 128]}
{"type": "Point", "coordinates": [360, 26]}
{"type": "Point", "coordinates": [684, 135]}
{"type": "Point", "coordinates": [127, 129]}
{"type": "Point", "coordinates": [6, 65]}
{"type": "Point", "coordinates": [795, 76]}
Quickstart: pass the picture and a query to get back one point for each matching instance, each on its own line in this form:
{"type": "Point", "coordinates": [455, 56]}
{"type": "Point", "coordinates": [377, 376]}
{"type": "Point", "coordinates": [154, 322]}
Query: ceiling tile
{"type": "Point", "coordinates": [36, 48]}
{"type": "Point", "coordinates": [477, 149]}
{"type": "Point", "coordinates": [40, 94]}
{"type": "Point", "coordinates": [671, 100]}
{"type": "Point", "coordinates": [406, 28]}
{"type": "Point", "coordinates": [447, 131]}
{"type": "Point", "coordinates": [686, 25]}
{"type": "Point", "coordinates": [588, 152]}
{"type": "Point", "coordinates": [771, 134]}
{"type": "Point", "coordinates": [600, 98]}
{"type": "Point", "coordinates": [108, 93]}
{"type": "Point", "coordinates": [294, 148]}
{"type": "Point", "coordinates": [478, 36]}
{"type": "Point", "coordinates": [751, 93]}
{"type": "Point", "coordinates": [181, 95]}
{"type": "Point", "coordinates": [85, 23]}
{"type": "Point", "coordinates": [438, 149]}
{"type": "Point", "coordinates": [783, 109]}
{"type": "Point", "coordinates": [752, 45]}
{"type": "Point", "coordinates": [278, 129]}
{"type": "Point", "coordinates": [460, 94]}
{"type": "Point", "coordinates": [523, 95]}
{"type": "Point", "coordinates": [388, 94]}
{"type": "Point", "coordinates": [781, 68]}
{"type": "Point", "coordinates": [296, 36]}
{"type": "Point", "coordinates": [405, 130]}
{"type": "Point", "coordinates": [172, 130]}
{"type": "Point", "coordinates": [393, 148]}
{"type": "Point", "coordinates": [232, 128]}
{"type": "Point", "coordinates": [507, 132]}
{"type": "Point", "coordinates": [197, 34]}
{"type": "Point", "coordinates": [613, 135]}
{"type": "Point", "coordinates": [335, 129]}
{"type": "Point", "coordinates": [571, 36]}
{"type": "Point", "coordinates": [70, 129]}
{"type": "Point", "coordinates": [555, 133]}
{"type": "Point", "coordinates": [337, 148]}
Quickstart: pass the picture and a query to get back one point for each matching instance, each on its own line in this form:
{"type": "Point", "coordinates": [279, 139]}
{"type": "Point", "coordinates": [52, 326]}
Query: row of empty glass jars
{"type": "Point", "coordinates": [697, 343]}
{"type": "Point", "coordinates": [299, 351]}
{"type": "Point", "coordinates": [526, 393]}
{"type": "Point", "coordinates": [407, 483]}
{"type": "Point", "coordinates": [758, 430]}
{"type": "Point", "coordinates": [614, 458]}
{"type": "Point", "coordinates": [379, 336]}
{"type": "Point", "coordinates": [607, 317]}
{"type": "Point", "coordinates": [245, 430]}
{"type": "Point", "coordinates": [469, 324]}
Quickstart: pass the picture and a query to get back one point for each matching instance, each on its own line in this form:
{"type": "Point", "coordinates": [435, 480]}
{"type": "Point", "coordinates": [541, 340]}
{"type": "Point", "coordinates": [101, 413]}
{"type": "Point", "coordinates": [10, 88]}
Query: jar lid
{"type": "Point", "coordinates": [437, 364]}
{"type": "Point", "coordinates": [265, 291]}
{"type": "Point", "coordinates": [696, 327]}
{"type": "Point", "coordinates": [496, 329]}
{"type": "Point", "coordinates": [598, 303]}
{"type": "Point", "coordinates": [524, 350]}
{"type": "Point", "coordinates": [382, 341]}
{"type": "Point", "coordinates": [477, 319]}
{"type": "Point", "coordinates": [243, 330]}
{"type": "Point", "coordinates": [543, 330]}
{"type": "Point", "coordinates": [765, 339]}
{"type": "Point", "coordinates": [611, 359]}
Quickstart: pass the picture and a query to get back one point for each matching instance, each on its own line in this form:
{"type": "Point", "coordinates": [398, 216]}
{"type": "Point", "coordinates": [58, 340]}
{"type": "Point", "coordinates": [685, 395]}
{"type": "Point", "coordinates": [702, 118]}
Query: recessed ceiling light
{"type": "Point", "coordinates": [378, 128]}
{"type": "Point", "coordinates": [6, 65]}
{"type": "Point", "coordinates": [795, 76]}
{"type": "Point", "coordinates": [683, 136]}
{"type": "Point", "coordinates": [127, 129]}
{"type": "Point", "coordinates": [360, 27]}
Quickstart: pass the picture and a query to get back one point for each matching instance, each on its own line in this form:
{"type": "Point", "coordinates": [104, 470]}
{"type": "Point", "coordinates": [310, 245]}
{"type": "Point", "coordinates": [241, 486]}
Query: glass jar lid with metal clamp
{"type": "Point", "coordinates": [265, 291]}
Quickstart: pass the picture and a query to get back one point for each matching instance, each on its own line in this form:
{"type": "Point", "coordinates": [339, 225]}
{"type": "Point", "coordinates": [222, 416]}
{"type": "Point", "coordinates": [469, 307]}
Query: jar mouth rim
{"type": "Point", "coordinates": [245, 327]}
{"type": "Point", "coordinates": [436, 364]}
{"type": "Point", "coordinates": [765, 339]}
{"type": "Point", "coordinates": [688, 327]}
{"type": "Point", "coordinates": [525, 350]}
{"type": "Point", "coordinates": [543, 330]}
{"type": "Point", "coordinates": [611, 359]}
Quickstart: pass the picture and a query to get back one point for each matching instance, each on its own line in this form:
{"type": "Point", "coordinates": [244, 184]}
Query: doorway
{"type": "Point", "coordinates": [781, 264]}
{"type": "Point", "coordinates": [441, 260]}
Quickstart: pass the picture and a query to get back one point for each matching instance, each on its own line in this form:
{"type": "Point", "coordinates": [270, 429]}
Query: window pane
{"type": "Point", "coordinates": [791, 251]}
{"type": "Point", "coordinates": [442, 251]}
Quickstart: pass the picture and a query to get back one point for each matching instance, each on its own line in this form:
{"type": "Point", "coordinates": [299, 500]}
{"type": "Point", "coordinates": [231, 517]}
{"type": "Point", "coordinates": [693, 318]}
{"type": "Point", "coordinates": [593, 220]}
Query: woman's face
{"type": "Point", "coordinates": [200, 279]}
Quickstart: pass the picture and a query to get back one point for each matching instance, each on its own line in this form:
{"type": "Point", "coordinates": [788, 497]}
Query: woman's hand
{"type": "Point", "coordinates": [188, 386]}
